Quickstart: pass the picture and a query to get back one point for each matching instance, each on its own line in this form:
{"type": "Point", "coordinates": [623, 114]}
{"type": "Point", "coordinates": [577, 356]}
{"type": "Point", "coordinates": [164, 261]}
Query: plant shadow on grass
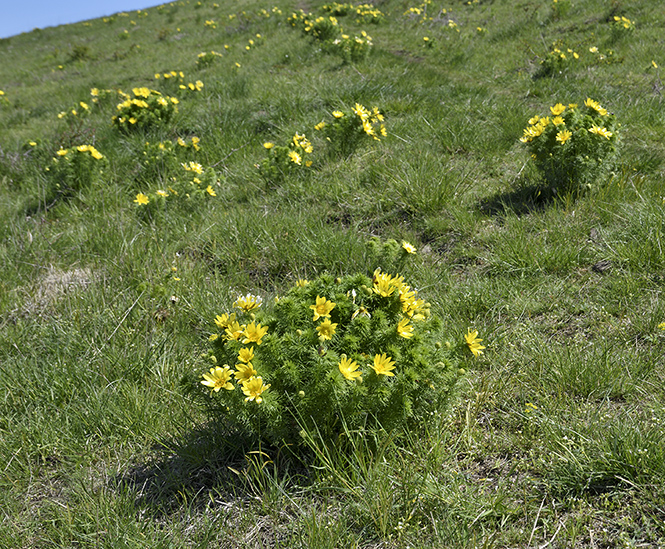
{"type": "Point", "coordinates": [212, 462]}
{"type": "Point", "coordinates": [525, 198]}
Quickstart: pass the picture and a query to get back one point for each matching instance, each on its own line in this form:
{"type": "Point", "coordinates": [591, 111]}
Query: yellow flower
{"type": "Point", "coordinates": [361, 111]}
{"type": "Point", "coordinates": [320, 126]}
{"type": "Point", "coordinates": [326, 329]}
{"type": "Point", "coordinates": [302, 282]}
{"type": "Point", "coordinates": [349, 369]}
{"type": "Point", "coordinates": [662, 326]}
{"type": "Point", "coordinates": [383, 365]}
{"type": "Point", "coordinates": [599, 130]}
{"type": "Point", "coordinates": [218, 378]}
{"type": "Point", "coordinates": [563, 136]}
{"type": "Point", "coordinates": [654, 64]}
{"type": "Point", "coordinates": [295, 157]}
{"type": "Point", "coordinates": [558, 120]}
{"type": "Point", "coordinates": [248, 302]}
{"type": "Point", "coordinates": [268, 145]}
{"type": "Point", "coordinates": [384, 284]}
{"type": "Point", "coordinates": [338, 114]}
{"type": "Point", "coordinates": [254, 333]}
{"type": "Point", "coordinates": [211, 191]}
{"type": "Point", "coordinates": [62, 152]}
{"type": "Point", "coordinates": [558, 109]}
{"type": "Point", "coordinates": [595, 106]}
{"type": "Point", "coordinates": [410, 248]}
{"type": "Point", "coordinates": [234, 330]}
{"type": "Point", "coordinates": [473, 342]}
{"type": "Point", "coordinates": [246, 354]}
{"type": "Point", "coordinates": [224, 321]}
{"type": "Point", "coordinates": [162, 193]}
{"type": "Point", "coordinates": [405, 329]}
{"type": "Point", "coordinates": [322, 308]}
{"type": "Point", "coordinates": [141, 199]}
{"type": "Point", "coordinates": [254, 388]}
{"type": "Point", "coordinates": [245, 372]}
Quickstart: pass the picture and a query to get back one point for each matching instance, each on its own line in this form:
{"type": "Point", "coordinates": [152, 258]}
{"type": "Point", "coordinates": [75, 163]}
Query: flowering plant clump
{"type": "Point", "coordinates": [147, 108]}
{"type": "Point", "coordinates": [207, 58]}
{"type": "Point", "coordinates": [322, 28]}
{"type": "Point", "coordinates": [352, 49]}
{"type": "Point", "coordinates": [349, 128]}
{"type": "Point", "coordinates": [574, 145]}
{"type": "Point", "coordinates": [557, 59]}
{"type": "Point", "coordinates": [367, 13]}
{"type": "Point", "coordinates": [75, 115]}
{"type": "Point", "coordinates": [75, 168]}
{"type": "Point", "coordinates": [352, 352]}
{"type": "Point", "coordinates": [622, 25]}
{"type": "Point", "coordinates": [198, 184]}
{"type": "Point", "coordinates": [286, 159]}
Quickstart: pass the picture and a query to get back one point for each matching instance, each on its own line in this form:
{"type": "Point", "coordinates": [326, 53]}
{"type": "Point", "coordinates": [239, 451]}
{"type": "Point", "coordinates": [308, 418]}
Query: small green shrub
{"type": "Point", "coordinates": [75, 168]}
{"type": "Point", "coordinates": [285, 159]}
{"type": "Point", "coordinates": [353, 49]}
{"type": "Point", "coordinates": [575, 146]}
{"type": "Point", "coordinates": [147, 108]}
{"type": "Point", "coordinates": [333, 354]}
{"type": "Point", "coordinates": [350, 128]}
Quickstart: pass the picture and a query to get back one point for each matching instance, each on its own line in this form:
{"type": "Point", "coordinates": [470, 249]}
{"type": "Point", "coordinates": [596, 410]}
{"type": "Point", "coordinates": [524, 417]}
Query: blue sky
{"type": "Point", "coordinates": [24, 15]}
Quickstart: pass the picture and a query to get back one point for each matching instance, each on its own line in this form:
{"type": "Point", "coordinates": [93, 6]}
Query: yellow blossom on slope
{"type": "Point", "coordinates": [558, 109]}
{"type": "Point", "coordinates": [322, 308]}
{"type": "Point", "coordinates": [405, 329]}
{"type": "Point", "coordinates": [218, 378]}
{"type": "Point", "coordinates": [248, 302]}
{"type": "Point", "coordinates": [599, 130]}
{"type": "Point", "coordinates": [473, 342]}
{"type": "Point", "coordinates": [254, 333]}
{"type": "Point", "coordinates": [244, 372]}
{"type": "Point", "coordinates": [224, 320]}
{"type": "Point", "coordinates": [295, 157]}
{"type": "Point", "coordinates": [349, 368]}
{"type": "Point", "coordinates": [410, 248]}
{"type": "Point", "coordinates": [383, 365]}
{"type": "Point", "coordinates": [326, 329]}
{"type": "Point", "coordinates": [254, 388]}
{"type": "Point", "coordinates": [246, 354]}
{"type": "Point", "coordinates": [234, 330]}
{"type": "Point", "coordinates": [563, 136]}
{"type": "Point", "coordinates": [141, 199]}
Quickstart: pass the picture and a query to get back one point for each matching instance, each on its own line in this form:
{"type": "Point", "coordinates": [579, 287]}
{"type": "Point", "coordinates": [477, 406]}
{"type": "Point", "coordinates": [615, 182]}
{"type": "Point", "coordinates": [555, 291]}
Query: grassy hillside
{"type": "Point", "coordinates": [121, 241]}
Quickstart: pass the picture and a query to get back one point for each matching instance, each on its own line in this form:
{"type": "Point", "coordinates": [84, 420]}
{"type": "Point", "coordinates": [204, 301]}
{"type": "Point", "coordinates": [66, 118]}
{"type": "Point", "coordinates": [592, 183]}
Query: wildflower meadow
{"type": "Point", "coordinates": [331, 274]}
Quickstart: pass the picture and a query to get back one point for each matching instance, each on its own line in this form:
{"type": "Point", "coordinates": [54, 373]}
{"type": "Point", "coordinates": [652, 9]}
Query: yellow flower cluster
{"type": "Point", "coordinates": [623, 23]}
{"type": "Point", "coordinates": [206, 58]}
{"type": "Point", "coordinates": [169, 75]}
{"type": "Point", "coordinates": [245, 374]}
{"type": "Point", "coordinates": [80, 148]}
{"type": "Point", "coordinates": [79, 111]}
{"type": "Point", "coordinates": [248, 302]}
{"type": "Point", "coordinates": [369, 119]}
{"type": "Point", "coordinates": [192, 86]}
{"type": "Point", "coordinates": [147, 106]}
{"type": "Point", "coordinates": [387, 285]}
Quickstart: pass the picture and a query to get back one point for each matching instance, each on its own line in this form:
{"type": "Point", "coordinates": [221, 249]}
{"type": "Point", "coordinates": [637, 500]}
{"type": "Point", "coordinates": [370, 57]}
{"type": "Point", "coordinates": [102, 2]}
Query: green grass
{"type": "Point", "coordinates": [554, 436]}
